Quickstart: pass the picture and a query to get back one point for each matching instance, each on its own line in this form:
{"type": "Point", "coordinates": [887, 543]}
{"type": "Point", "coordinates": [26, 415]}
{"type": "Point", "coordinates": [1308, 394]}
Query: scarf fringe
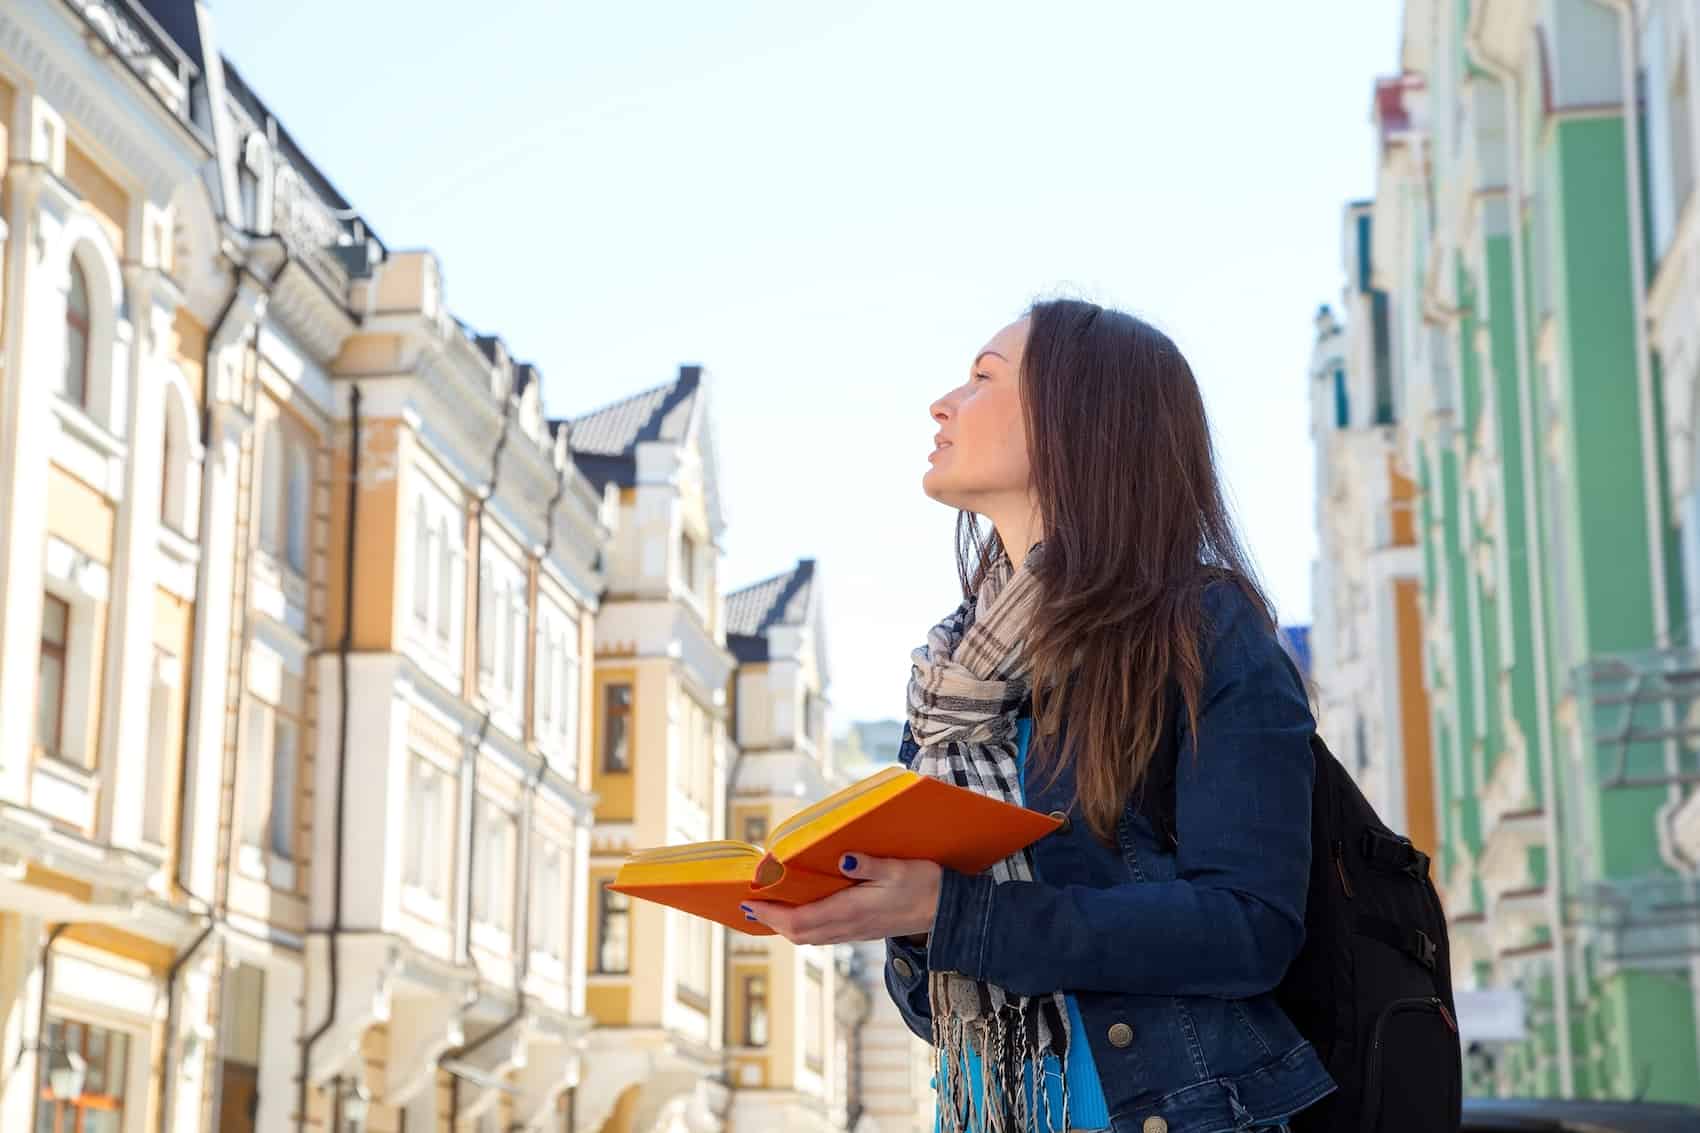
{"type": "Point", "coordinates": [1011, 1054]}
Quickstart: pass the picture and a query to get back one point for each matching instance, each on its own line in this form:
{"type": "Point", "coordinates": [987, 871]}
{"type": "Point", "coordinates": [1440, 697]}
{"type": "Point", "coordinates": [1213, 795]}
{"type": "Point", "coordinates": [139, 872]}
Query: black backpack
{"type": "Point", "coordinates": [1371, 987]}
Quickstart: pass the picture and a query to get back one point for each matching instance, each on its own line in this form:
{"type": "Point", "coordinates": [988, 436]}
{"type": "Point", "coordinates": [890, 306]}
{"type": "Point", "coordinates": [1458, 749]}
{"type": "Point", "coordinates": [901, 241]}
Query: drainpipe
{"type": "Point", "coordinates": [344, 646]}
{"type": "Point", "coordinates": [46, 966]}
{"type": "Point", "coordinates": [214, 908]}
{"type": "Point", "coordinates": [1507, 77]}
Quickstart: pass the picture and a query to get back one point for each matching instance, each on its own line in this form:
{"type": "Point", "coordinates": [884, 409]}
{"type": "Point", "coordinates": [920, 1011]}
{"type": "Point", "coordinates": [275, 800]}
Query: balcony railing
{"type": "Point", "coordinates": [1646, 715]}
{"type": "Point", "coordinates": [133, 36]}
{"type": "Point", "coordinates": [1649, 920]}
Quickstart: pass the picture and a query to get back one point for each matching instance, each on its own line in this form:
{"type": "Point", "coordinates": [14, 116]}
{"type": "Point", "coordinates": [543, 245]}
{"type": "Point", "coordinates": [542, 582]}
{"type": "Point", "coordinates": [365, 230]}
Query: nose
{"type": "Point", "coordinates": [942, 409]}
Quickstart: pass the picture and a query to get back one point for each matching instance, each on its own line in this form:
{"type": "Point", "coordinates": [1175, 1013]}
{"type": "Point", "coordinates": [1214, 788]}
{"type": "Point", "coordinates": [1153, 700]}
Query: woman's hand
{"type": "Point", "coordinates": [896, 898]}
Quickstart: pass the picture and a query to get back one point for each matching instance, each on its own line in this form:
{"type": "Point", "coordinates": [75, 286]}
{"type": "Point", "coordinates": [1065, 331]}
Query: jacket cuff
{"type": "Point", "coordinates": [907, 962]}
{"type": "Point", "coordinates": [960, 925]}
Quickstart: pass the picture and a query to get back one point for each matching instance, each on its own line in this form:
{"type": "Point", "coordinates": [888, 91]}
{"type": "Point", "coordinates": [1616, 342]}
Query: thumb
{"type": "Point", "coordinates": [861, 867]}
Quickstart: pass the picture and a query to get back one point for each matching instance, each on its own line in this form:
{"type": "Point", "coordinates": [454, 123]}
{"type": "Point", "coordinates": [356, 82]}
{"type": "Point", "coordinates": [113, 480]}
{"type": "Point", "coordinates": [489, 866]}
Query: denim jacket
{"type": "Point", "coordinates": [1172, 950]}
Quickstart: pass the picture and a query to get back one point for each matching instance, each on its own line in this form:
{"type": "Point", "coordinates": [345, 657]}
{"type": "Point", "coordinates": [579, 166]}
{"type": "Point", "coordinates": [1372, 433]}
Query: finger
{"type": "Point", "coordinates": [865, 868]}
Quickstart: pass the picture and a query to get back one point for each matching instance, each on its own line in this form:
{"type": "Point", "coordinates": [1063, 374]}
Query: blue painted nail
{"type": "Point", "coordinates": [849, 861]}
{"type": "Point", "coordinates": [746, 910]}
{"type": "Point", "coordinates": [750, 917]}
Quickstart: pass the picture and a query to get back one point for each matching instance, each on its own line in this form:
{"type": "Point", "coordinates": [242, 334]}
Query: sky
{"type": "Point", "coordinates": [832, 207]}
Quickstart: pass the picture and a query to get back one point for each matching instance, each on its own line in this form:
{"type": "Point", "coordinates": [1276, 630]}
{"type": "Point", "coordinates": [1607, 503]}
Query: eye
{"type": "Point", "coordinates": [981, 375]}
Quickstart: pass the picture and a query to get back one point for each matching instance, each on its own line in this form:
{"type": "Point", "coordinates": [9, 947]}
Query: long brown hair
{"type": "Point", "coordinates": [1135, 527]}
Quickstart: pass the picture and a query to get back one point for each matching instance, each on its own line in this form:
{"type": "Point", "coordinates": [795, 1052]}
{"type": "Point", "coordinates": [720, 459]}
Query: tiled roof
{"type": "Point", "coordinates": [655, 414]}
{"type": "Point", "coordinates": [752, 611]}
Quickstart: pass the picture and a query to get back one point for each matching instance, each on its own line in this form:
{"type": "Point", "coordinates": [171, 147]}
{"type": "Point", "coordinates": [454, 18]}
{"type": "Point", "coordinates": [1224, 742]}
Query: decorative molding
{"type": "Point", "coordinates": [157, 155]}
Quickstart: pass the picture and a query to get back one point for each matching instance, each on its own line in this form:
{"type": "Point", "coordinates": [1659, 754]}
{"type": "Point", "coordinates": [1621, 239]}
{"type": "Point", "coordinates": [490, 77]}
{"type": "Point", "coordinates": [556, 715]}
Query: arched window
{"type": "Point", "coordinates": [75, 379]}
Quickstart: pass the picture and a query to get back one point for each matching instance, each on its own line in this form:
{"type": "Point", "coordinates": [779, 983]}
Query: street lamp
{"type": "Point", "coordinates": [66, 1072]}
{"type": "Point", "coordinates": [355, 1104]}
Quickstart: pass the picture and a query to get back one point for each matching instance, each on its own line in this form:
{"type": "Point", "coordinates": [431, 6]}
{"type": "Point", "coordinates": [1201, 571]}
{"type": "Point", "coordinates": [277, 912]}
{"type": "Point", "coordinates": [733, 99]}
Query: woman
{"type": "Point", "coordinates": [1111, 617]}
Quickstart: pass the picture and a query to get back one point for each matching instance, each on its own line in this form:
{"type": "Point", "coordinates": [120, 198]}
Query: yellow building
{"type": "Point", "coordinates": [102, 356]}
{"type": "Point", "coordinates": [786, 1054]}
{"type": "Point", "coordinates": [297, 597]}
{"type": "Point", "coordinates": [321, 650]}
{"type": "Point", "coordinates": [659, 761]}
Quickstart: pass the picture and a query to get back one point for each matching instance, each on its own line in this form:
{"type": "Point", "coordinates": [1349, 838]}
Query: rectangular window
{"type": "Point", "coordinates": [688, 562]}
{"type": "Point", "coordinates": [256, 737]}
{"type": "Point", "coordinates": [569, 695]}
{"type": "Point", "coordinates": [448, 580]}
{"type": "Point", "coordinates": [616, 728]}
{"type": "Point", "coordinates": [427, 805]}
{"type": "Point", "coordinates": [486, 620]}
{"type": "Point", "coordinates": [695, 959]}
{"type": "Point", "coordinates": [105, 1054]}
{"type": "Point", "coordinates": [285, 752]}
{"type": "Point", "coordinates": [162, 696]}
{"type": "Point", "coordinates": [548, 908]}
{"type": "Point", "coordinates": [755, 1010]}
{"type": "Point", "coordinates": [613, 921]}
{"type": "Point", "coordinates": [492, 901]}
{"type": "Point", "coordinates": [421, 564]}
{"type": "Point", "coordinates": [755, 829]}
{"type": "Point", "coordinates": [50, 676]}
{"type": "Point", "coordinates": [1381, 317]}
{"type": "Point", "coordinates": [811, 709]}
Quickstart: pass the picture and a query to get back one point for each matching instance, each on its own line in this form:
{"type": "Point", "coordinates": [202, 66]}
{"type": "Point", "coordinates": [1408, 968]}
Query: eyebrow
{"type": "Point", "coordinates": [993, 353]}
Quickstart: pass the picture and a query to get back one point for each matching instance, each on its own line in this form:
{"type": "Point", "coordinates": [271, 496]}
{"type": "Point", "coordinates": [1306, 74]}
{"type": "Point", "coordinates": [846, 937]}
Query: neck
{"type": "Point", "coordinates": [1018, 529]}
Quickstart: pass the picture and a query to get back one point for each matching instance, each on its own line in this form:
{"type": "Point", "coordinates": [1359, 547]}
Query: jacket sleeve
{"type": "Point", "coordinates": [1233, 918]}
{"type": "Point", "coordinates": [906, 962]}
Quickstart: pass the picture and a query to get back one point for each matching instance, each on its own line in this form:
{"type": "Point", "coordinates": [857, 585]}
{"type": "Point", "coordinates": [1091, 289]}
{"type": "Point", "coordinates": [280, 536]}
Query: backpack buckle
{"type": "Point", "coordinates": [1426, 950]}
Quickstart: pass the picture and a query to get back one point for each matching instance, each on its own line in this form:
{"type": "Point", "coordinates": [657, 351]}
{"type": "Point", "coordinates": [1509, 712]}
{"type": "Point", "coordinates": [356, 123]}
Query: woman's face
{"type": "Point", "coordinates": [979, 459]}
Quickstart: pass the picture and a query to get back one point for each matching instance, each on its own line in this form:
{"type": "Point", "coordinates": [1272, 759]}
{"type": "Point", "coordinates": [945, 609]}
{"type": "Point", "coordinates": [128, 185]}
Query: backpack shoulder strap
{"type": "Point", "coordinates": [1156, 799]}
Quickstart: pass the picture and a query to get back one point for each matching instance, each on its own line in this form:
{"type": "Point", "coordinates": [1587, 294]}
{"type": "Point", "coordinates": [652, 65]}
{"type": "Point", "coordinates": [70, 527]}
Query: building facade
{"type": "Point", "coordinates": [1527, 232]}
{"type": "Point", "coordinates": [660, 757]}
{"type": "Point", "coordinates": [336, 679]}
{"type": "Point", "coordinates": [787, 1054]}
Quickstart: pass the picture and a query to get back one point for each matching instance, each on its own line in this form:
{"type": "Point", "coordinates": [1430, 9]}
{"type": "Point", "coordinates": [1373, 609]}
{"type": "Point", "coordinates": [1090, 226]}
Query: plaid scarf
{"type": "Point", "coordinates": [966, 689]}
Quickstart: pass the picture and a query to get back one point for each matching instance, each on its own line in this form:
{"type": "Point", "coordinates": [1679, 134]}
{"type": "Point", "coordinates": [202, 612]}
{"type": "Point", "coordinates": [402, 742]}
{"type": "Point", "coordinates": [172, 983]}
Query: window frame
{"type": "Point", "coordinates": [609, 905]}
{"type": "Point", "coordinates": [83, 324]}
{"type": "Point", "coordinates": [61, 653]}
{"type": "Point", "coordinates": [623, 712]}
{"type": "Point", "coordinates": [749, 980]}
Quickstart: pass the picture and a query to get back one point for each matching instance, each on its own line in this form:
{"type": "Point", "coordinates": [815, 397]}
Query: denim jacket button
{"type": "Point", "coordinates": [1155, 1125]}
{"type": "Point", "coordinates": [904, 969]}
{"type": "Point", "coordinates": [1062, 818]}
{"type": "Point", "coordinates": [1121, 1035]}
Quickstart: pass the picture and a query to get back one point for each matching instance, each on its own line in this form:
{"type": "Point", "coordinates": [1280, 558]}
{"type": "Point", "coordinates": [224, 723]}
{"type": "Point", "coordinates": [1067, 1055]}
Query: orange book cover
{"type": "Point", "coordinates": [893, 814]}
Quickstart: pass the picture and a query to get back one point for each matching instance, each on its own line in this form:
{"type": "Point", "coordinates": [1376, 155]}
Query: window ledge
{"type": "Point", "coordinates": [178, 546]}
{"type": "Point", "coordinates": [67, 770]}
{"type": "Point", "coordinates": [423, 904]}
{"type": "Point", "coordinates": [491, 938]}
{"type": "Point", "coordinates": [79, 424]}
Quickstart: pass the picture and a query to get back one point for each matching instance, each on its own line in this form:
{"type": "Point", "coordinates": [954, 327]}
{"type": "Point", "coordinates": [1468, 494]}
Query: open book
{"type": "Point", "coordinates": [893, 814]}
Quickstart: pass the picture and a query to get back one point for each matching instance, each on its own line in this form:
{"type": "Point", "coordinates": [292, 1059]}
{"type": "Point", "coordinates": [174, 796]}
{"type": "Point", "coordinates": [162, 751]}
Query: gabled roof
{"type": "Point", "coordinates": [786, 599]}
{"type": "Point", "coordinates": [604, 441]}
